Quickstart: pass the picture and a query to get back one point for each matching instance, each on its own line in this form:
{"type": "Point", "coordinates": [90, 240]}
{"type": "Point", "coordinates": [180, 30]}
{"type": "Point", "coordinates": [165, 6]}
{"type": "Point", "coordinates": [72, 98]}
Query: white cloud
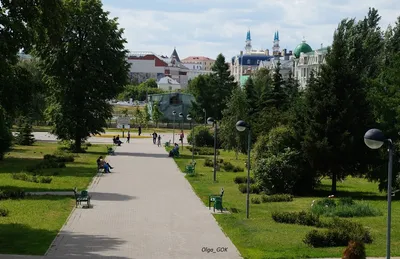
{"type": "Point", "coordinates": [209, 27]}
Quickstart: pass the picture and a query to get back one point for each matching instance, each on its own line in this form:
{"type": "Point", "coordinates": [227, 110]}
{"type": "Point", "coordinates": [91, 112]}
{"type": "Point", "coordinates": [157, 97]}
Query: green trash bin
{"type": "Point", "coordinates": [218, 203]}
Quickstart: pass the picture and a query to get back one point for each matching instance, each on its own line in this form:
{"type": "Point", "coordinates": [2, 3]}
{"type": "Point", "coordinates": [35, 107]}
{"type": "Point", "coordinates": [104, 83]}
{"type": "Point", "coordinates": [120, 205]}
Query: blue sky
{"type": "Point", "coordinates": [210, 27]}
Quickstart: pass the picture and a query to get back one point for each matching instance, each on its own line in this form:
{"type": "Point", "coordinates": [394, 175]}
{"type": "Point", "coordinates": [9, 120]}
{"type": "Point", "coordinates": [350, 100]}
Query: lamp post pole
{"type": "Point", "coordinates": [374, 139]}
{"type": "Point", "coordinates": [173, 130]}
{"type": "Point", "coordinates": [189, 118]}
{"type": "Point", "coordinates": [205, 117]}
{"type": "Point", "coordinates": [215, 151]}
{"type": "Point", "coordinates": [248, 174]}
{"type": "Point", "coordinates": [181, 137]}
{"type": "Point", "coordinates": [389, 200]}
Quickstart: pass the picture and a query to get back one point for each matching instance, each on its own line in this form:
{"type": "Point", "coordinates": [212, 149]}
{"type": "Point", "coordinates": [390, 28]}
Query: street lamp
{"type": "Point", "coordinates": [189, 118]}
{"type": "Point", "coordinates": [374, 139]}
{"type": "Point", "coordinates": [181, 116]}
{"type": "Point", "coordinates": [212, 121]}
{"type": "Point", "coordinates": [242, 126]}
{"type": "Point", "coordinates": [173, 131]}
{"type": "Point", "coordinates": [205, 117]}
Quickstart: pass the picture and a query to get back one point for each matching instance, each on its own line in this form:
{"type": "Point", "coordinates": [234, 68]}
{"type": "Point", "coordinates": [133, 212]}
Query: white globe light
{"type": "Point", "coordinates": [240, 128]}
{"type": "Point", "coordinates": [373, 144]}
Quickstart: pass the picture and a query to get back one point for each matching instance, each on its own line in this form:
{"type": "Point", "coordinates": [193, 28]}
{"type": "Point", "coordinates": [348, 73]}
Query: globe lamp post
{"type": "Point", "coordinates": [212, 121]}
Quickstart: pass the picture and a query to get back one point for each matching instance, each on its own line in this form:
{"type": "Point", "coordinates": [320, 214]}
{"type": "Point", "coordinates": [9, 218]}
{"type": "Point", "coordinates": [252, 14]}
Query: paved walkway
{"type": "Point", "coordinates": [144, 209]}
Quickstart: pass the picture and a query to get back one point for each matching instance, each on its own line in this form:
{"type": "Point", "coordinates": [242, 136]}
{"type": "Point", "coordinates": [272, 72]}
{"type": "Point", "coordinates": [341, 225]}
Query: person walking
{"type": "Point", "coordinates": [154, 137]}
{"type": "Point", "coordinates": [159, 141]}
{"type": "Point", "coordinates": [140, 130]}
{"type": "Point", "coordinates": [128, 137]}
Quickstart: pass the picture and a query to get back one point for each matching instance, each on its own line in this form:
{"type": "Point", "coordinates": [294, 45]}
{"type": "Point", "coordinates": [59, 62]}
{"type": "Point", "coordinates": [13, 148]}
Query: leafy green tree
{"type": "Point", "coordinates": [87, 68]}
{"type": "Point", "coordinates": [138, 115]}
{"type": "Point", "coordinates": [156, 113]}
{"type": "Point", "coordinates": [201, 89]}
{"type": "Point", "coordinates": [5, 133]}
{"type": "Point", "coordinates": [151, 83]}
{"type": "Point", "coordinates": [146, 116]}
{"type": "Point", "coordinates": [138, 92]}
{"type": "Point", "coordinates": [237, 109]}
{"type": "Point", "coordinates": [336, 113]}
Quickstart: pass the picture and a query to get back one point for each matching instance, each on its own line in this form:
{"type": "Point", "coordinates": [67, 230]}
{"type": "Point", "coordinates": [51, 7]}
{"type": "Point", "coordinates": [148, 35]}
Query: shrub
{"type": "Point", "coordinates": [21, 176]}
{"type": "Point", "coordinates": [300, 218]}
{"type": "Point", "coordinates": [278, 173]}
{"type": "Point", "coordinates": [345, 208]}
{"type": "Point", "coordinates": [3, 212]}
{"type": "Point", "coordinates": [339, 233]}
{"type": "Point", "coordinates": [277, 198]}
{"type": "Point", "coordinates": [228, 166]}
{"type": "Point", "coordinates": [46, 179]}
{"type": "Point", "coordinates": [60, 157]}
{"type": "Point", "coordinates": [355, 250]}
{"type": "Point", "coordinates": [242, 179]}
{"type": "Point", "coordinates": [11, 194]}
{"type": "Point", "coordinates": [237, 169]}
{"type": "Point", "coordinates": [5, 134]}
{"type": "Point", "coordinates": [253, 188]}
{"type": "Point", "coordinates": [46, 164]}
{"type": "Point", "coordinates": [202, 137]}
{"type": "Point", "coordinates": [208, 162]}
{"type": "Point", "coordinates": [203, 151]}
{"type": "Point", "coordinates": [25, 136]}
{"type": "Point", "coordinates": [255, 200]}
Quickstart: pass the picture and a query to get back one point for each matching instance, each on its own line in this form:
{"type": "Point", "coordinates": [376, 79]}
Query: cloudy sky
{"type": "Point", "coordinates": [210, 27]}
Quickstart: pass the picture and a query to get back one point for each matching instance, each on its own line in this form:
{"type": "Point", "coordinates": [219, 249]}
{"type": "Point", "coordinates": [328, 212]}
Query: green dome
{"type": "Point", "coordinates": [302, 47]}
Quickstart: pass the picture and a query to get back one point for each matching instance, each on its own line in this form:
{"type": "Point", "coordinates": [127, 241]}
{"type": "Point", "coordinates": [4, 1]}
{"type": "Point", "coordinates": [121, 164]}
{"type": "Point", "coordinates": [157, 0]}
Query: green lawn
{"type": "Point", "coordinates": [32, 223]}
{"type": "Point", "coordinates": [260, 237]}
{"type": "Point", "coordinates": [76, 174]}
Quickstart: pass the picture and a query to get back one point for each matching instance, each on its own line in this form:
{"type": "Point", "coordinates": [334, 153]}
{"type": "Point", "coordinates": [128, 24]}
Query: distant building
{"type": "Point", "coordinates": [145, 65]}
{"type": "Point", "coordinates": [168, 84]}
{"type": "Point", "coordinates": [170, 102]}
{"type": "Point", "coordinates": [244, 64]}
{"type": "Point", "coordinates": [198, 65]}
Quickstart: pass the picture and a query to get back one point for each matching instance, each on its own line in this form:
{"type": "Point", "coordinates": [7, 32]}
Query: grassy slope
{"type": "Point", "coordinates": [77, 174]}
{"type": "Point", "coordinates": [260, 237]}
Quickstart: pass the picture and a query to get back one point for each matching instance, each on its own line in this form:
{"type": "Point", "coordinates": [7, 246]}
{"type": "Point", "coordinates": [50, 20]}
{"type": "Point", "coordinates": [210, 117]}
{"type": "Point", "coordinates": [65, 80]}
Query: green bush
{"type": "Point", "coordinates": [4, 212]}
{"type": "Point", "coordinates": [237, 169]}
{"type": "Point", "coordinates": [32, 178]}
{"type": "Point", "coordinates": [340, 233]}
{"type": "Point", "coordinates": [21, 176]}
{"type": "Point", "coordinates": [277, 198]}
{"type": "Point", "coordinates": [46, 179]}
{"type": "Point", "coordinates": [202, 137]}
{"type": "Point", "coordinates": [45, 164]}
{"type": "Point", "coordinates": [228, 166]}
{"type": "Point", "coordinates": [11, 194]}
{"type": "Point", "coordinates": [345, 208]}
{"type": "Point", "coordinates": [242, 179]}
{"type": "Point", "coordinates": [255, 200]}
{"type": "Point", "coordinates": [24, 136]}
{"type": "Point", "coordinates": [208, 162]}
{"type": "Point", "coordinates": [60, 157]}
{"type": "Point", "coordinates": [5, 133]}
{"type": "Point", "coordinates": [254, 188]}
{"type": "Point", "coordinates": [300, 218]}
{"type": "Point", "coordinates": [203, 151]}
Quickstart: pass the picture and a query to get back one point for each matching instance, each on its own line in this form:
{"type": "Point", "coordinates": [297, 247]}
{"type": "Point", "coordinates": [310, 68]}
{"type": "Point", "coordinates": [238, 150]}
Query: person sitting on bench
{"type": "Point", "coordinates": [102, 164]}
{"type": "Point", "coordinates": [117, 141]}
{"type": "Point", "coordinates": [174, 151]}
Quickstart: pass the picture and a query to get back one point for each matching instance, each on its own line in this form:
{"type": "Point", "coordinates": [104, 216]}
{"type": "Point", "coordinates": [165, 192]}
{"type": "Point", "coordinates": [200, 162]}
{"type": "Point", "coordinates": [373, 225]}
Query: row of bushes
{"type": "Point", "coordinates": [272, 198]}
{"type": "Point", "coordinates": [203, 151]}
{"type": "Point", "coordinates": [339, 232]}
{"type": "Point", "coordinates": [227, 166]}
{"type": "Point", "coordinates": [343, 207]}
{"type": "Point", "coordinates": [11, 194]}
{"type": "Point", "coordinates": [56, 160]}
{"type": "Point", "coordinates": [69, 146]}
{"type": "Point", "coordinates": [32, 178]}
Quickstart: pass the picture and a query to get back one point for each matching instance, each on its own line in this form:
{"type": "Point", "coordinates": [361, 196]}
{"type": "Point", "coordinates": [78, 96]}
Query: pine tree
{"type": "Point", "coordinates": [156, 113]}
{"type": "Point", "coordinates": [25, 136]}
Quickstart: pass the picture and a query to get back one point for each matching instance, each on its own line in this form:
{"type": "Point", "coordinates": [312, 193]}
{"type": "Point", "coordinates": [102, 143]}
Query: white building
{"type": "Point", "coordinates": [146, 65]}
{"type": "Point", "coordinates": [168, 84]}
{"type": "Point", "coordinates": [198, 65]}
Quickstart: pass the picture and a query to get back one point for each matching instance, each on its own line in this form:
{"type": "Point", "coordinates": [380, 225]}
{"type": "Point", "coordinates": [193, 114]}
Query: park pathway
{"type": "Point", "coordinates": [144, 209]}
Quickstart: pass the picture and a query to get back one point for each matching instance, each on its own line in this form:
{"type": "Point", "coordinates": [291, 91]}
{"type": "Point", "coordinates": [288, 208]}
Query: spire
{"type": "Point", "coordinates": [174, 56]}
{"type": "Point", "coordinates": [277, 35]}
{"type": "Point", "coordinates": [248, 37]}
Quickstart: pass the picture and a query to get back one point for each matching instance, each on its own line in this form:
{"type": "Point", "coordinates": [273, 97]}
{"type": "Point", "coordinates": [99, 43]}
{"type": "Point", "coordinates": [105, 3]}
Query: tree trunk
{"type": "Point", "coordinates": [334, 181]}
{"type": "Point", "coordinates": [78, 144]}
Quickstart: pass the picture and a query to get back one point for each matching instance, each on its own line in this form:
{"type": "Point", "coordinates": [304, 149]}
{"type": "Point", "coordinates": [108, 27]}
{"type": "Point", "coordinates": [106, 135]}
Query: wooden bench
{"type": "Point", "coordinates": [216, 199]}
{"type": "Point", "coordinates": [83, 196]}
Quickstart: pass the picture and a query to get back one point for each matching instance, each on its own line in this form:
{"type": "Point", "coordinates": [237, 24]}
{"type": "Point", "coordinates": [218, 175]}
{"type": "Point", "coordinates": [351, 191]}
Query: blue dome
{"type": "Point", "coordinates": [251, 60]}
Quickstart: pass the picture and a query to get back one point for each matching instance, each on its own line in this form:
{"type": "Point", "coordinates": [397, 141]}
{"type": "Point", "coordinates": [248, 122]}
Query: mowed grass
{"type": "Point", "coordinates": [260, 237]}
{"type": "Point", "coordinates": [76, 174]}
{"type": "Point", "coordinates": [32, 223]}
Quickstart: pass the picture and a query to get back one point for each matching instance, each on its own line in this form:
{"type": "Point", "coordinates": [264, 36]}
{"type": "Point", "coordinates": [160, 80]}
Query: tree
{"type": "Point", "coordinates": [87, 68]}
{"type": "Point", "coordinates": [156, 113]}
{"type": "Point", "coordinates": [336, 113]}
{"type": "Point", "coordinates": [237, 109]}
{"type": "Point", "coordinates": [138, 115]}
{"type": "Point", "coordinates": [203, 93]}
{"type": "Point", "coordinates": [145, 116]}
{"type": "Point", "coordinates": [151, 83]}
{"type": "Point", "coordinates": [25, 136]}
{"type": "Point", "coordinates": [5, 133]}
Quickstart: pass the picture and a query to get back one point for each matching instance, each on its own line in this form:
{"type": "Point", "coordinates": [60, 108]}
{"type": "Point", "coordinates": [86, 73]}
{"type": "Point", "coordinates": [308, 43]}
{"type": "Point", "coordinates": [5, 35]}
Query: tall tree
{"type": "Point", "coordinates": [337, 113]}
{"type": "Point", "coordinates": [84, 70]}
{"type": "Point", "coordinates": [201, 89]}
{"type": "Point", "coordinates": [237, 109]}
{"type": "Point", "coordinates": [156, 113]}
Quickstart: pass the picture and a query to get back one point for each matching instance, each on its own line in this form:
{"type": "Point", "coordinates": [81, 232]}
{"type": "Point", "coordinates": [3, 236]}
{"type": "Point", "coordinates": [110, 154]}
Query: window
{"type": "Point", "coordinates": [258, 62]}
{"type": "Point", "coordinates": [248, 62]}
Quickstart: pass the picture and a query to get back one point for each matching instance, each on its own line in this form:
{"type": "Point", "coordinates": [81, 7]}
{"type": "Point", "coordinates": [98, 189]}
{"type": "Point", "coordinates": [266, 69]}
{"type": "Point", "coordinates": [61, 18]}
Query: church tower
{"type": "Point", "coordinates": [276, 47]}
{"type": "Point", "coordinates": [248, 47]}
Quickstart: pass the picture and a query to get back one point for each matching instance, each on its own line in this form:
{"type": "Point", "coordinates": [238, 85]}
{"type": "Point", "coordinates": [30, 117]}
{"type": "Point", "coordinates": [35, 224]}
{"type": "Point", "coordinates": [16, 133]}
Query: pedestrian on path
{"type": "Point", "coordinates": [154, 137]}
{"type": "Point", "coordinates": [140, 130]}
{"type": "Point", "coordinates": [159, 140]}
{"type": "Point", "coordinates": [128, 137]}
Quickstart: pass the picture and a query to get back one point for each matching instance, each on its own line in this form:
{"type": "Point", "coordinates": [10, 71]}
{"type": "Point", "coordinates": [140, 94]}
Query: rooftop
{"type": "Point", "coordinates": [197, 58]}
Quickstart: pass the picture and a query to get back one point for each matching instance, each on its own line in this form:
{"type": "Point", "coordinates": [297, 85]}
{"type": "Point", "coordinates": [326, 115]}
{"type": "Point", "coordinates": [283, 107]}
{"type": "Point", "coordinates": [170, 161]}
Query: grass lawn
{"type": "Point", "coordinates": [76, 174]}
{"type": "Point", "coordinates": [32, 223]}
{"type": "Point", "coordinates": [260, 237]}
